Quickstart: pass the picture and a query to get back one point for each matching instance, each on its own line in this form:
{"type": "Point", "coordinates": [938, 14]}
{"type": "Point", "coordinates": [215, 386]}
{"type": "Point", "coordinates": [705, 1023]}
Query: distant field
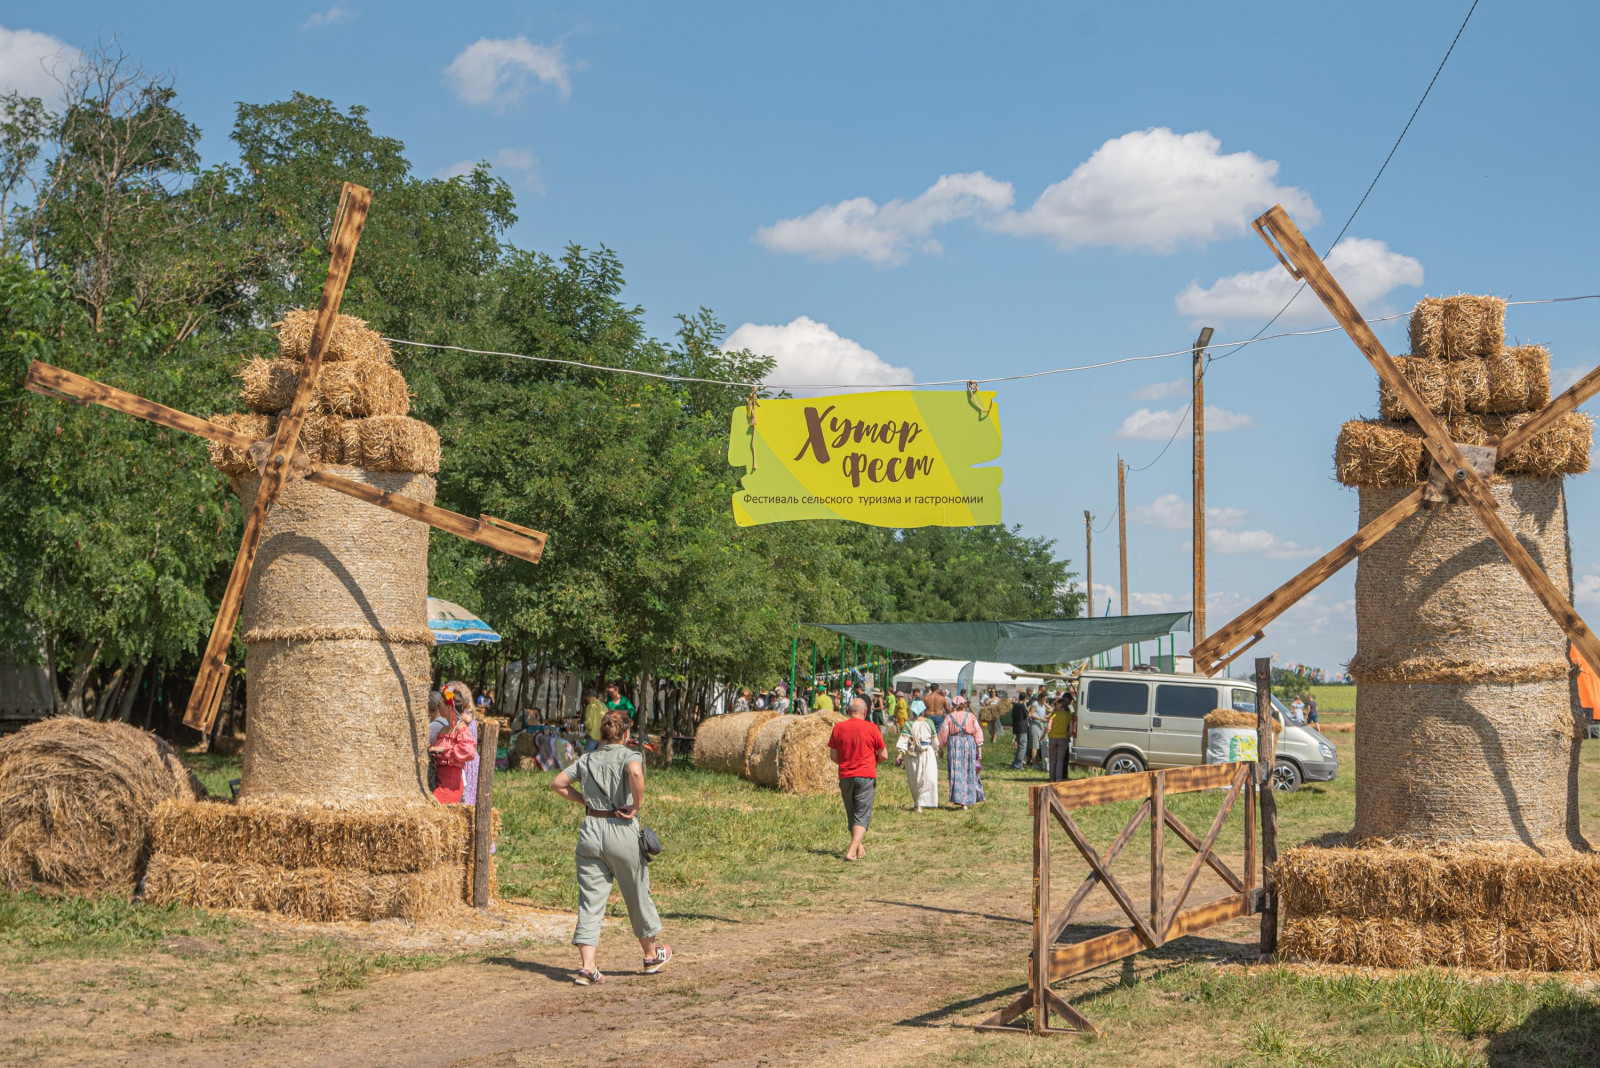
{"type": "Point", "coordinates": [1335, 699]}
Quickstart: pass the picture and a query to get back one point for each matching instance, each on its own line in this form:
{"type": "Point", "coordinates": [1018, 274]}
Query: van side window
{"type": "Point", "coordinates": [1244, 700]}
{"type": "Point", "coordinates": [1185, 702]}
{"type": "Point", "coordinates": [1127, 698]}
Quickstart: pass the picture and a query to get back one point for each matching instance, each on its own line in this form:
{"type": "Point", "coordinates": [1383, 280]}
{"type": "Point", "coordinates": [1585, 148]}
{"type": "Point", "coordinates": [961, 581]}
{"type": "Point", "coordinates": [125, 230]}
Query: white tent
{"type": "Point", "coordinates": [944, 672]}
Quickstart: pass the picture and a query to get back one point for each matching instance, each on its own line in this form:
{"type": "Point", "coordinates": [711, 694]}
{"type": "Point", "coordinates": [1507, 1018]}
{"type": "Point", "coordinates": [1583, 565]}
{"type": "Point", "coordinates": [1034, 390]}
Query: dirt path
{"type": "Point", "coordinates": [873, 982]}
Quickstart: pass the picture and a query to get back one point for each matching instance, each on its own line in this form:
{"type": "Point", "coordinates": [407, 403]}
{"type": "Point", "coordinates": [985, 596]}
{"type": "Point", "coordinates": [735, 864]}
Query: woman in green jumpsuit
{"type": "Point", "coordinates": [609, 783]}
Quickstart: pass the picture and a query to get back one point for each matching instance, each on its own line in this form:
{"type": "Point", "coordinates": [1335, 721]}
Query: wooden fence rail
{"type": "Point", "coordinates": [1166, 918]}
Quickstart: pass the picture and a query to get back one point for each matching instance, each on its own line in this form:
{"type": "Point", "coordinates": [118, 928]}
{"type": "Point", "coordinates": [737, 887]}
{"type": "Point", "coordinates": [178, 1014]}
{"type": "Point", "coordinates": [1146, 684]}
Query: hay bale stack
{"type": "Point", "coordinates": [1488, 907]}
{"type": "Point", "coordinates": [1380, 454]}
{"type": "Point", "coordinates": [1234, 719]}
{"type": "Point", "coordinates": [351, 339]}
{"type": "Point", "coordinates": [350, 387]}
{"type": "Point", "coordinates": [77, 800]}
{"type": "Point", "coordinates": [1458, 327]}
{"type": "Point", "coordinates": [791, 754]}
{"type": "Point", "coordinates": [720, 743]}
{"type": "Point", "coordinates": [765, 748]}
{"type": "Point", "coordinates": [1513, 380]}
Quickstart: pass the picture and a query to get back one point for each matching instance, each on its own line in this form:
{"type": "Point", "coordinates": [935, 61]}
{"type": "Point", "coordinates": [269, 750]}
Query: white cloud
{"type": "Point", "coordinates": [810, 354]}
{"type": "Point", "coordinates": [1147, 425]}
{"type": "Point", "coordinates": [1162, 390]}
{"type": "Point", "coordinates": [1587, 591]}
{"type": "Point", "coordinates": [1366, 269]}
{"type": "Point", "coordinates": [1225, 517]}
{"type": "Point", "coordinates": [497, 72]}
{"type": "Point", "coordinates": [31, 62]}
{"type": "Point", "coordinates": [338, 13]}
{"type": "Point", "coordinates": [1172, 512]}
{"type": "Point", "coordinates": [1564, 378]}
{"type": "Point", "coordinates": [519, 165]}
{"type": "Point", "coordinates": [887, 233]}
{"type": "Point", "coordinates": [1138, 602]}
{"type": "Point", "coordinates": [1257, 543]}
{"type": "Point", "coordinates": [1155, 189]}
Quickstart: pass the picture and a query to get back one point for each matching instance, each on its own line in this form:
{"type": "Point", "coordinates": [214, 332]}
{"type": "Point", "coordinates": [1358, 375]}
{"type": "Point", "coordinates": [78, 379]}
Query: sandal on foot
{"type": "Point", "coordinates": [660, 960]}
{"type": "Point", "coordinates": [588, 977]}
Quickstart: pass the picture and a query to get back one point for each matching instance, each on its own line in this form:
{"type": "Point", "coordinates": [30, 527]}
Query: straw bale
{"type": "Point", "coordinates": [351, 338]}
{"type": "Point", "coordinates": [1512, 380]}
{"type": "Point", "coordinates": [766, 748]}
{"type": "Point", "coordinates": [390, 443]}
{"type": "Point", "coordinates": [1504, 883]}
{"type": "Point", "coordinates": [758, 720]}
{"type": "Point", "coordinates": [76, 804]}
{"type": "Point", "coordinates": [719, 743]}
{"type": "Point", "coordinates": [317, 894]}
{"type": "Point", "coordinates": [381, 839]}
{"type": "Point", "coordinates": [350, 388]}
{"type": "Point", "coordinates": [1459, 327]}
{"type": "Point", "coordinates": [1572, 944]}
{"type": "Point", "coordinates": [1232, 717]}
{"type": "Point", "coordinates": [804, 765]}
{"type": "Point", "coordinates": [231, 461]}
{"type": "Point", "coordinates": [1377, 453]}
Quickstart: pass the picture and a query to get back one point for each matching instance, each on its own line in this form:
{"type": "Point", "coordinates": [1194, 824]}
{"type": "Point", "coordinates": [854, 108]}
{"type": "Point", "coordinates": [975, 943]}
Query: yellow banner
{"type": "Point", "coordinates": [891, 459]}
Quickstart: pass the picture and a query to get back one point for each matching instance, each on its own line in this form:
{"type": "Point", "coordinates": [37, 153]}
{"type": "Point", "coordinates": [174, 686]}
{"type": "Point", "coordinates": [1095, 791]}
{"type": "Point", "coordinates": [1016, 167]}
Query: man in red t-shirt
{"type": "Point", "coordinates": [857, 747]}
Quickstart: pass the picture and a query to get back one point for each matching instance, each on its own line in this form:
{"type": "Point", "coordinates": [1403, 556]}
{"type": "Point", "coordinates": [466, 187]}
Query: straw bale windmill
{"type": "Point", "coordinates": [1466, 848]}
{"type": "Point", "coordinates": [334, 819]}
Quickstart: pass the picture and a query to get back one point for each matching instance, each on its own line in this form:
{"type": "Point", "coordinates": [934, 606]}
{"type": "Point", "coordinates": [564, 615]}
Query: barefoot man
{"type": "Point", "coordinates": [857, 747]}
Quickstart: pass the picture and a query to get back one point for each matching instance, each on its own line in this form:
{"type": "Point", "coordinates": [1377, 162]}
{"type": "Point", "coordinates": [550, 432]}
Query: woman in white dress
{"type": "Point", "coordinates": [920, 756]}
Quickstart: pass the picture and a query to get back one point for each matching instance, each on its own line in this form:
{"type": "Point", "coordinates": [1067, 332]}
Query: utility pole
{"type": "Point", "coordinates": [1199, 421]}
{"type": "Point", "coordinates": [1088, 560]}
{"type": "Point", "coordinates": [1122, 549]}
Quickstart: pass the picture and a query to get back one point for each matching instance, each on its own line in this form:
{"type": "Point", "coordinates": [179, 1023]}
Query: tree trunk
{"type": "Point", "coordinates": [131, 693]}
{"type": "Point", "coordinates": [112, 688]}
{"type": "Point", "coordinates": [83, 661]}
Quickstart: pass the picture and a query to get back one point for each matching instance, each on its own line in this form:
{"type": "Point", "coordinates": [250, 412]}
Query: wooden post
{"type": "Point", "coordinates": [1088, 562]}
{"type": "Point", "coordinates": [1267, 751]}
{"type": "Point", "coordinates": [1199, 424]}
{"type": "Point", "coordinates": [1158, 842]}
{"type": "Point", "coordinates": [1040, 979]}
{"type": "Point", "coordinates": [483, 812]}
{"type": "Point", "coordinates": [1122, 548]}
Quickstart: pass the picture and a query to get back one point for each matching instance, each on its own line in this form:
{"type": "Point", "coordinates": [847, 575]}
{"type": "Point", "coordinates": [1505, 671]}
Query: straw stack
{"type": "Point", "coordinates": [334, 819]}
{"type": "Point", "coordinates": [788, 753]}
{"type": "Point", "coordinates": [1466, 848]}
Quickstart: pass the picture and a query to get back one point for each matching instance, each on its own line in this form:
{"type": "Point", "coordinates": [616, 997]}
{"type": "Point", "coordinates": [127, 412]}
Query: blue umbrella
{"type": "Point", "coordinates": [453, 625]}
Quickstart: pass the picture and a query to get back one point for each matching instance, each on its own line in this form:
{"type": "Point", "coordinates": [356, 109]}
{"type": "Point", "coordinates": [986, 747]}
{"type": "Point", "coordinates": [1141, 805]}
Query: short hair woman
{"type": "Point", "coordinates": [611, 788]}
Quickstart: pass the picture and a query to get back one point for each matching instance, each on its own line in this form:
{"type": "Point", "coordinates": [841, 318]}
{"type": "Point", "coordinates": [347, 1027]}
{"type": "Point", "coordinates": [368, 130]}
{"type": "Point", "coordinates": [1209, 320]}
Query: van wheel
{"type": "Point", "coordinates": [1124, 764]}
{"type": "Point", "coordinates": [1285, 776]}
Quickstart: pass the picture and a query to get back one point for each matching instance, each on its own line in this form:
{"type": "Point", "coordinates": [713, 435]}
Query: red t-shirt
{"type": "Point", "coordinates": [858, 744]}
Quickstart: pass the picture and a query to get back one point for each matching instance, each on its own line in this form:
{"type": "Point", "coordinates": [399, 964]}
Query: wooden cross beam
{"type": "Point", "coordinates": [281, 460]}
{"type": "Point", "coordinates": [1453, 468]}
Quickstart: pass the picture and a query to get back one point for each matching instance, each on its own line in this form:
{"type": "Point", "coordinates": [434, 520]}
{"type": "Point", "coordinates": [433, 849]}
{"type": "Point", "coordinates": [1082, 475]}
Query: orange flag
{"type": "Point", "coordinates": [1588, 682]}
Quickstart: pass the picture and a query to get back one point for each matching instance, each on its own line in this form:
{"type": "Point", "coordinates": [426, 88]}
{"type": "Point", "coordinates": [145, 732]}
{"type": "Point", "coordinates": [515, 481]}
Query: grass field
{"type": "Point", "coordinates": [1339, 700]}
{"type": "Point", "coordinates": [743, 859]}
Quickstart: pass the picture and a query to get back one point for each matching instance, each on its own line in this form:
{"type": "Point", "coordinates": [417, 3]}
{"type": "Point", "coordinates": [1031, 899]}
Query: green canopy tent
{"type": "Point", "coordinates": [1018, 641]}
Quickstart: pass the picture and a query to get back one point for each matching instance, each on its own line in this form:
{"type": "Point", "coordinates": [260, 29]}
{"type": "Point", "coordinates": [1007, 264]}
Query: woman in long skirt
{"type": "Point", "coordinates": [921, 762]}
{"type": "Point", "coordinates": [960, 736]}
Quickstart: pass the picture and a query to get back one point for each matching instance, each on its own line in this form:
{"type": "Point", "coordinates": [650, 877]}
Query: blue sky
{"type": "Point", "coordinates": [949, 191]}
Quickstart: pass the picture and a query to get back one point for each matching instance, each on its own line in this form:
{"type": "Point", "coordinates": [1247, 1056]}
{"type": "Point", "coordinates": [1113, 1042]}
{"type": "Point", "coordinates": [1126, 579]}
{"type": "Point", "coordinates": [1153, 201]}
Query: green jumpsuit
{"type": "Point", "coordinates": [608, 848]}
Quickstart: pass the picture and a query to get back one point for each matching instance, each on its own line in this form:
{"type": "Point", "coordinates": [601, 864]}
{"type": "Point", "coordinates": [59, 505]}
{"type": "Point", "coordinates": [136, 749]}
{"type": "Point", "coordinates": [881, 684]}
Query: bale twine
{"type": "Point", "coordinates": [1512, 380]}
{"type": "Point", "coordinates": [351, 338]}
{"type": "Point", "coordinates": [1374, 453]}
{"type": "Point", "coordinates": [77, 800]}
{"type": "Point", "coordinates": [349, 388]}
{"type": "Point", "coordinates": [335, 628]}
{"type": "Point", "coordinates": [1459, 327]}
{"type": "Point", "coordinates": [719, 743]}
{"type": "Point", "coordinates": [1464, 709]}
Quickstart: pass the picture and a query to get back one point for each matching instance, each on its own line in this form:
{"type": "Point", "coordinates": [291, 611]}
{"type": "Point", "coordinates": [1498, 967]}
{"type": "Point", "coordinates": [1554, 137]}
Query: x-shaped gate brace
{"type": "Point", "coordinates": [1461, 470]}
{"type": "Point", "coordinates": [1166, 918]}
{"type": "Point", "coordinates": [281, 460]}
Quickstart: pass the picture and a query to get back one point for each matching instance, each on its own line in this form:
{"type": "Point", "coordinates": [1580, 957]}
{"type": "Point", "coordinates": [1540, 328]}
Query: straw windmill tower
{"type": "Point", "coordinates": [1466, 848]}
{"type": "Point", "coordinates": [334, 820]}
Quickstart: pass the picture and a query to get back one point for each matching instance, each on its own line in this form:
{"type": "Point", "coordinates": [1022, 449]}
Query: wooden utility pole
{"type": "Point", "coordinates": [1267, 755]}
{"type": "Point", "coordinates": [1199, 422]}
{"type": "Point", "coordinates": [1122, 549]}
{"type": "Point", "coordinates": [1088, 560]}
{"type": "Point", "coordinates": [483, 812]}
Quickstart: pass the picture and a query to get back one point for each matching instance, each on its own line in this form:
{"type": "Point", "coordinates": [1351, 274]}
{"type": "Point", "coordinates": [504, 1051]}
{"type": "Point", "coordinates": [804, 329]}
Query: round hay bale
{"type": "Point", "coordinates": [760, 719]}
{"type": "Point", "coordinates": [336, 632]}
{"type": "Point", "coordinates": [765, 749]}
{"type": "Point", "coordinates": [1464, 705]}
{"type": "Point", "coordinates": [804, 766]}
{"type": "Point", "coordinates": [719, 743]}
{"type": "Point", "coordinates": [76, 804]}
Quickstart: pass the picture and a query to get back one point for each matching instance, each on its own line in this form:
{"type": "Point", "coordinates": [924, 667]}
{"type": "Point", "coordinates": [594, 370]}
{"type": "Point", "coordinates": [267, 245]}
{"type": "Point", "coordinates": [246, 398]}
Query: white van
{"type": "Point", "coordinates": [1140, 720]}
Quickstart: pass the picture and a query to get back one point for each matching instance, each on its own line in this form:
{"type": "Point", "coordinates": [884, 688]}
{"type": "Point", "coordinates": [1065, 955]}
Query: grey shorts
{"type": "Point", "coordinates": [858, 792]}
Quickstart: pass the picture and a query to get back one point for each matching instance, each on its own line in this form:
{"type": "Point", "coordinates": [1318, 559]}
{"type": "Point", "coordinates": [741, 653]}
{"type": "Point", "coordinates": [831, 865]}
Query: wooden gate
{"type": "Point", "coordinates": [1166, 919]}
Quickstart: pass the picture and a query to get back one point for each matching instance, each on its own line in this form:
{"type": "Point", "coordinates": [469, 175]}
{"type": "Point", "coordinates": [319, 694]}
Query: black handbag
{"type": "Point", "coordinates": [649, 844]}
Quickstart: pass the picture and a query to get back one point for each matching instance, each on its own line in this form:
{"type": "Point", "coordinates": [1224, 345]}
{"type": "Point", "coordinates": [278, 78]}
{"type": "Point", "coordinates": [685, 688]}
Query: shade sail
{"type": "Point", "coordinates": [1019, 641]}
{"type": "Point", "coordinates": [945, 672]}
{"type": "Point", "coordinates": [453, 625]}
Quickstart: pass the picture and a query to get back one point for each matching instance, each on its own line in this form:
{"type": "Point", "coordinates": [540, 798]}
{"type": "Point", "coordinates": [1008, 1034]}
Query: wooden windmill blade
{"type": "Point", "coordinates": [1452, 466]}
{"type": "Point", "coordinates": [204, 699]}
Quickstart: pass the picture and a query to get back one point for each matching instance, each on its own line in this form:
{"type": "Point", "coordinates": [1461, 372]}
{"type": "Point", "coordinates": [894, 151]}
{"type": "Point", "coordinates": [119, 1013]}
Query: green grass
{"type": "Point", "coordinates": [1340, 700]}
{"type": "Point", "coordinates": [77, 926]}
